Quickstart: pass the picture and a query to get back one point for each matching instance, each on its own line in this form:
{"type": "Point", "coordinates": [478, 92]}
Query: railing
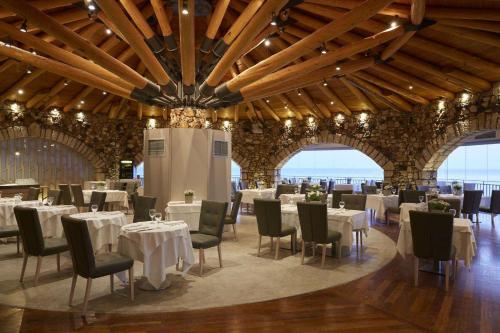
{"type": "Point", "coordinates": [338, 180]}
{"type": "Point", "coordinates": [486, 187]}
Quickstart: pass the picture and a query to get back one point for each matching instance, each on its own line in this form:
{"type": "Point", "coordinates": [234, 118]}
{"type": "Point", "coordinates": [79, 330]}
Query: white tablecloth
{"type": "Point", "coordinates": [404, 215]}
{"type": "Point", "coordinates": [463, 240]}
{"type": "Point", "coordinates": [112, 196]}
{"type": "Point", "coordinates": [343, 221]}
{"type": "Point", "coordinates": [379, 203]}
{"type": "Point", "coordinates": [250, 194]}
{"type": "Point", "coordinates": [50, 219]}
{"type": "Point", "coordinates": [181, 211]}
{"type": "Point", "coordinates": [158, 246]}
{"type": "Point", "coordinates": [344, 187]}
{"type": "Point", "coordinates": [294, 198]}
{"type": "Point", "coordinates": [7, 216]}
{"type": "Point", "coordinates": [104, 227]}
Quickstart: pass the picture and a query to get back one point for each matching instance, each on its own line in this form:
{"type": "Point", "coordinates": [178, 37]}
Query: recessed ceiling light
{"type": "Point", "coordinates": [20, 91]}
{"type": "Point", "coordinates": [104, 93]}
{"type": "Point", "coordinates": [332, 102]}
{"type": "Point", "coordinates": [267, 42]}
{"type": "Point", "coordinates": [82, 102]}
{"type": "Point", "coordinates": [109, 31]}
{"type": "Point", "coordinates": [185, 11]}
{"type": "Point", "coordinates": [410, 87]}
{"type": "Point", "coordinates": [337, 68]}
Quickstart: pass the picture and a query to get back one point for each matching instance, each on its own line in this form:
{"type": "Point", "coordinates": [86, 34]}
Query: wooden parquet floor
{"type": "Point", "coordinates": [384, 301]}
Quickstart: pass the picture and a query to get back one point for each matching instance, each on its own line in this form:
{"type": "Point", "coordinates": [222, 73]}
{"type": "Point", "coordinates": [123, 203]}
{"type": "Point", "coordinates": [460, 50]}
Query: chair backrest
{"type": "Point", "coordinates": [80, 246]}
{"type": "Point", "coordinates": [99, 199]}
{"type": "Point", "coordinates": [454, 204]}
{"type": "Point", "coordinates": [495, 202]}
{"type": "Point", "coordinates": [472, 201]}
{"type": "Point", "coordinates": [323, 184]}
{"type": "Point", "coordinates": [337, 197]}
{"type": "Point", "coordinates": [212, 216]}
{"type": "Point", "coordinates": [313, 221]}
{"type": "Point", "coordinates": [370, 189]}
{"type": "Point", "coordinates": [354, 201]}
{"type": "Point", "coordinates": [129, 187]}
{"type": "Point", "coordinates": [412, 196]}
{"type": "Point", "coordinates": [233, 188]}
{"type": "Point", "coordinates": [432, 235]}
{"type": "Point", "coordinates": [142, 205]}
{"type": "Point", "coordinates": [65, 194]}
{"type": "Point", "coordinates": [268, 214]}
{"type": "Point", "coordinates": [33, 194]}
{"type": "Point", "coordinates": [243, 185]}
{"type": "Point", "coordinates": [284, 189]}
{"type": "Point", "coordinates": [379, 184]}
{"type": "Point", "coordinates": [445, 189]}
{"type": "Point", "coordinates": [56, 194]}
{"type": "Point", "coordinates": [78, 195]}
{"type": "Point", "coordinates": [303, 187]}
{"type": "Point", "coordinates": [236, 205]}
{"type": "Point", "coordinates": [424, 188]}
{"type": "Point", "coordinates": [469, 186]}
{"type": "Point", "coordinates": [29, 229]}
{"type": "Point", "coordinates": [331, 185]}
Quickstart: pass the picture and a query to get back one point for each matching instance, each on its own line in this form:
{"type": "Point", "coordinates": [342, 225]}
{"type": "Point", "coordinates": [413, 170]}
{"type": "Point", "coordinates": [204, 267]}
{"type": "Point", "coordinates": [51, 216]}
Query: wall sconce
{"type": "Point", "coordinates": [441, 105]}
{"type": "Point", "coordinates": [208, 124]}
{"type": "Point", "coordinates": [465, 98]}
{"type": "Point", "coordinates": [15, 108]}
{"type": "Point", "coordinates": [288, 123]}
{"type": "Point", "coordinates": [80, 116]}
{"type": "Point", "coordinates": [311, 123]}
{"type": "Point", "coordinates": [151, 123]}
{"type": "Point", "coordinates": [339, 119]}
{"type": "Point", "coordinates": [363, 117]}
{"type": "Point", "coordinates": [54, 116]}
{"type": "Point", "coordinates": [227, 126]}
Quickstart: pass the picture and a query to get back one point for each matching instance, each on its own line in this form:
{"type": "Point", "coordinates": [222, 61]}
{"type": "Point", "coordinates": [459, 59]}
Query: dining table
{"type": "Point", "coordinates": [114, 197]}
{"type": "Point", "coordinates": [344, 221]}
{"type": "Point", "coordinates": [289, 198]}
{"type": "Point", "coordinates": [50, 219]}
{"type": "Point", "coordinates": [158, 245]}
{"type": "Point", "coordinates": [7, 217]}
{"type": "Point", "coordinates": [182, 211]}
{"type": "Point", "coordinates": [249, 194]}
{"type": "Point", "coordinates": [380, 203]}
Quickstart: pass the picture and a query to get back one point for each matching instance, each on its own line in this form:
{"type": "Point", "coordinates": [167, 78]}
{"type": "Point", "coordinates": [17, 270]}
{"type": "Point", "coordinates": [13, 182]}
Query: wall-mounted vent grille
{"type": "Point", "coordinates": [156, 147]}
{"type": "Point", "coordinates": [221, 148]}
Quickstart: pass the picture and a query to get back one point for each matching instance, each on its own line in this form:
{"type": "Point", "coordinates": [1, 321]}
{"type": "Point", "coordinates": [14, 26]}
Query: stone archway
{"type": "Point", "coordinates": [35, 131]}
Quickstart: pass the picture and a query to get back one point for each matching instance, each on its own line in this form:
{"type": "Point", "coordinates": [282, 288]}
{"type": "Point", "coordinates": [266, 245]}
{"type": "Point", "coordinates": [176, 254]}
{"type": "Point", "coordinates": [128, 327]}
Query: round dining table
{"type": "Point", "coordinates": [7, 217]}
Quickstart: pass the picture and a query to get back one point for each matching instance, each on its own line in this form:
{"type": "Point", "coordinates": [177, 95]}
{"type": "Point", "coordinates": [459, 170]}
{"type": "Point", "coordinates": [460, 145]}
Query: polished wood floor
{"type": "Point", "coordinates": [385, 301]}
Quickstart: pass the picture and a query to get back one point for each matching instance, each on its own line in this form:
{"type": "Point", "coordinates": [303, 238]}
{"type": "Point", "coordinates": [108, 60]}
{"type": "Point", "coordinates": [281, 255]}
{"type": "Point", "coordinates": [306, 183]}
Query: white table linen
{"type": "Point", "coordinates": [158, 246]}
{"type": "Point", "coordinates": [342, 187]}
{"type": "Point", "coordinates": [343, 221]}
{"type": "Point", "coordinates": [104, 227]}
{"type": "Point", "coordinates": [7, 217]}
{"type": "Point", "coordinates": [294, 198]}
{"type": "Point", "coordinates": [50, 219]}
{"type": "Point", "coordinates": [112, 196]}
{"type": "Point", "coordinates": [250, 194]}
{"type": "Point", "coordinates": [187, 212]}
{"type": "Point", "coordinates": [463, 240]}
{"type": "Point", "coordinates": [404, 215]}
{"type": "Point", "coordinates": [380, 203]}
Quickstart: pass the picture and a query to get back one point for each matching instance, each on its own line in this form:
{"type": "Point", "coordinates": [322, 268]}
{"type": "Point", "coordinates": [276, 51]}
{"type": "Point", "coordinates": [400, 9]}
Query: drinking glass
{"type": "Point", "coordinates": [157, 217]}
{"type": "Point", "coordinates": [94, 208]}
{"type": "Point", "coordinates": [421, 198]}
{"type": "Point", "coordinates": [453, 212]}
{"type": "Point", "coordinates": [296, 190]}
{"type": "Point", "coordinates": [152, 214]}
{"type": "Point", "coordinates": [393, 191]}
{"type": "Point", "coordinates": [50, 200]}
{"type": "Point", "coordinates": [341, 205]}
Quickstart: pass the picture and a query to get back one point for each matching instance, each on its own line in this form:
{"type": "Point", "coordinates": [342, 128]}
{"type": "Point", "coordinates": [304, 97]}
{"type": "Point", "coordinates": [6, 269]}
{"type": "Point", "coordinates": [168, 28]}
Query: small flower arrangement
{"type": "Point", "coordinates": [188, 196]}
{"type": "Point", "coordinates": [315, 188]}
{"type": "Point", "coordinates": [438, 205]}
{"type": "Point", "coordinates": [188, 193]}
{"type": "Point", "coordinates": [388, 187]}
{"type": "Point", "coordinates": [314, 196]}
{"type": "Point", "coordinates": [457, 186]}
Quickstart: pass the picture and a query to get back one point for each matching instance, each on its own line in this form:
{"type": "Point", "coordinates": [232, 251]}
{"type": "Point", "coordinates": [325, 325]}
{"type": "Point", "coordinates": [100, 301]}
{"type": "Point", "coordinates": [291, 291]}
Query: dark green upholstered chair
{"type": "Point", "coordinates": [33, 194]}
{"type": "Point", "coordinates": [268, 213]}
{"type": "Point", "coordinates": [142, 205]}
{"type": "Point", "coordinates": [413, 196]}
{"type": "Point", "coordinates": [88, 265]}
{"type": "Point", "coordinates": [369, 189]}
{"type": "Point", "coordinates": [99, 199]}
{"type": "Point", "coordinates": [455, 204]}
{"type": "Point", "coordinates": [314, 227]}
{"type": "Point", "coordinates": [323, 184]}
{"type": "Point", "coordinates": [304, 187]}
{"type": "Point", "coordinates": [472, 201]}
{"type": "Point", "coordinates": [337, 197]}
{"type": "Point", "coordinates": [33, 242]}
{"type": "Point", "coordinates": [65, 194]}
{"type": "Point", "coordinates": [10, 231]}
{"type": "Point", "coordinates": [432, 235]}
{"type": "Point", "coordinates": [356, 202]}
{"type": "Point", "coordinates": [494, 208]}
{"type": "Point", "coordinates": [56, 195]}
{"type": "Point", "coordinates": [284, 189]}
{"type": "Point", "coordinates": [78, 196]}
{"type": "Point", "coordinates": [394, 210]}
{"type": "Point", "coordinates": [233, 216]}
{"type": "Point", "coordinates": [209, 233]}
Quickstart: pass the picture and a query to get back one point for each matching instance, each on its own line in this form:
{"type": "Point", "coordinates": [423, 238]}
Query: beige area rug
{"type": "Point", "coordinates": [245, 278]}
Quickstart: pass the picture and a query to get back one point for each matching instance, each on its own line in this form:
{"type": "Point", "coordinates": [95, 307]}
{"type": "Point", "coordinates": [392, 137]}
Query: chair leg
{"type": "Point", "coordinates": [492, 224]}
{"type": "Point", "coordinates": [17, 241]}
{"type": "Point", "coordinates": [303, 252]}
{"type": "Point", "coordinates": [38, 266]}
{"type": "Point", "coordinates": [277, 253]}
{"type": "Point", "coordinates": [131, 282]}
{"type": "Point", "coordinates": [220, 255]}
{"type": "Point", "coordinates": [272, 243]}
{"type": "Point", "coordinates": [314, 249]}
{"type": "Point", "coordinates": [258, 250]}
{"type": "Point", "coordinates": [25, 261]}
{"type": "Point", "coordinates": [58, 259]}
{"type": "Point", "coordinates": [293, 242]}
{"type": "Point", "coordinates": [201, 262]}
{"type": "Point", "coordinates": [339, 249]}
{"type": "Point", "coordinates": [357, 242]}
{"type": "Point", "coordinates": [72, 291]}
{"type": "Point", "coordinates": [477, 218]}
{"type": "Point", "coordinates": [234, 230]}
{"type": "Point", "coordinates": [111, 283]}
{"type": "Point", "coordinates": [86, 298]}
{"type": "Point", "coordinates": [323, 255]}
{"type": "Point", "coordinates": [361, 240]}
{"type": "Point", "coordinates": [447, 275]}
{"type": "Point", "coordinates": [415, 270]}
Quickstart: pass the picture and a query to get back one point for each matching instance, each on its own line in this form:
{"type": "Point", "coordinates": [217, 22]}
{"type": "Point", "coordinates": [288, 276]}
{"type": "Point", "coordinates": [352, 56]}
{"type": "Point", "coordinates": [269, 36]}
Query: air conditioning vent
{"type": "Point", "coordinates": [156, 147]}
{"type": "Point", "coordinates": [221, 148]}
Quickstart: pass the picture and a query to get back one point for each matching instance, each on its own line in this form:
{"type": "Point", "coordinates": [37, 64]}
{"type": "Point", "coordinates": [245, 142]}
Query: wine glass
{"type": "Point", "coordinates": [341, 205]}
{"type": "Point", "coordinates": [421, 198]}
{"type": "Point", "coordinates": [393, 191]}
{"type": "Point", "coordinates": [152, 214]}
{"type": "Point", "coordinates": [295, 190]}
{"type": "Point", "coordinates": [94, 208]}
{"type": "Point", "coordinates": [50, 200]}
{"type": "Point", "coordinates": [157, 217]}
{"type": "Point", "coordinates": [453, 212]}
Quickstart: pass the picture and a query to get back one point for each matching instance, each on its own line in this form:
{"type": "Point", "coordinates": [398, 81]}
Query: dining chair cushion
{"type": "Point", "coordinates": [54, 245]}
{"type": "Point", "coordinates": [8, 231]}
{"type": "Point", "coordinates": [229, 220]}
{"type": "Point", "coordinates": [33, 194]}
{"type": "Point", "coordinates": [337, 197]}
{"type": "Point", "coordinates": [203, 241]}
{"type": "Point", "coordinates": [78, 195]}
{"type": "Point", "coordinates": [432, 235]}
{"type": "Point", "coordinates": [65, 194]}
{"type": "Point", "coordinates": [109, 263]}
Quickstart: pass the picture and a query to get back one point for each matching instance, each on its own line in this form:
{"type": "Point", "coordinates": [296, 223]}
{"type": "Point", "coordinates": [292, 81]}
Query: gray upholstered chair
{"type": "Point", "coordinates": [65, 194]}
{"type": "Point", "coordinates": [394, 210]}
{"type": "Point", "coordinates": [454, 204]}
{"type": "Point", "coordinates": [234, 189]}
{"type": "Point", "coordinates": [494, 208]}
{"type": "Point", "coordinates": [284, 189]}
{"type": "Point", "coordinates": [33, 194]}
{"type": "Point", "coordinates": [78, 196]}
{"type": "Point", "coordinates": [233, 216]}
{"type": "Point", "coordinates": [304, 187]}
{"type": "Point", "coordinates": [470, 206]}
{"type": "Point", "coordinates": [99, 199]}
{"type": "Point", "coordinates": [209, 233]}
{"type": "Point", "coordinates": [356, 202]}
{"type": "Point", "coordinates": [243, 185]}
{"type": "Point", "coordinates": [56, 195]}
{"type": "Point", "coordinates": [142, 205]}
{"type": "Point", "coordinates": [369, 189]}
{"type": "Point", "coordinates": [331, 185]}
{"type": "Point", "coordinates": [33, 242]}
{"type": "Point", "coordinates": [424, 188]}
{"type": "Point", "coordinates": [432, 239]}
{"type": "Point", "coordinates": [268, 213]}
{"type": "Point", "coordinates": [88, 265]}
{"type": "Point", "coordinates": [10, 231]}
{"type": "Point", "coordinates": [314, 227]}
{"type": "Point", "coordinates": [323, 184]}
{"type": "Point", "coordinates": [337, 197]}
{"type": "Point", "coordinates": [445, 189]}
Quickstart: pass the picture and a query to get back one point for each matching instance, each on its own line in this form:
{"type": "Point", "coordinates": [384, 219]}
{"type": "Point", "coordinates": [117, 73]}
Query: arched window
{"type": "Point", "coordinates": [235, 171]}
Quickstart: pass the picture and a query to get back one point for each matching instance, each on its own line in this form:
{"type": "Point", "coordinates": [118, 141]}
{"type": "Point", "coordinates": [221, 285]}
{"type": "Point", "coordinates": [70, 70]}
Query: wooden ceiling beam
{"type": "Point", "coordinates": [471, 24]}
{"type": "Point", "coordinates": [308, 101]}
{"type": "Point", "coordinates": [78, 98]}
{"type": "Point", "coordinates": [138, 19]}
{"type": "Point", "coordinates": [103, 103]}
{"type": "Point", "coordinates": [52, 95]}
{"type": "Point", "coordinates": [290, 106]}
{"type": "Point", "coordinates": [264, 106]}
{"type": "Point", "coordinates": [161, 16]}
{"type": "Point", "coordinates": [331, 96]}
{"type": "Point", "coordinates": [486, 38]}
{"type": "Point", "coordinates": [20, 84]}
{"type": "Point", "coordinates": [187, 46]}
{"type": "Point", "coordinates": [41, 5]}
{"type": "Point", "coordinates": [214, 24]}
{"type": "Point", "coordinates": [7, 64]}
{"type": "Point", "coordinates": [236, 113]}
{"type": "Point", "coordinates": [359, 94]}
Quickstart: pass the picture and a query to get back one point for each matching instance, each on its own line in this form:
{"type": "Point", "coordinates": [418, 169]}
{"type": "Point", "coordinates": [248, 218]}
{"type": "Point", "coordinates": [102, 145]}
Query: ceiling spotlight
{"type": "Point", "coordinates": [337, 68]}
{"type": "Point", "coordinates": [267, 42]}
{"type": "Point", "coordinates": [28, 70]}
{"type": "Point", "coordinates": [267, 101]}
{"type": "Point", "coordinates": [104, 93]}
{"type": "Point", "coordinates": [33, 52]}
{"type": "Point", "coordinates": [395, 22]}
{"type": "Point", "coordinates": [325, 83]}
{"type": "Point", "coordinates": [185, 10]}
{"type": "Point", "coordinates": [91, 6]}
{"type": "Point", "coordinates": [274, 22]}
{"type": "Point", "coordinates": [66, 82]}
{"type": "Point", "coordinates": [20, 91]}
{"type": "Point", "coordinates": [299, 93]}
{"type": "Point", "coordinates": [82, 102]}
{"type": "Point", "coordinates": [108, 31]}
{"type": "Point", "coordinates": [24, 27]}
{"type": "Point", "coordinates": [410, 87]}
{"type": "Point", "coordinates": [332, 102]}
{"type": "Point", "coordinates": [323, 49]}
